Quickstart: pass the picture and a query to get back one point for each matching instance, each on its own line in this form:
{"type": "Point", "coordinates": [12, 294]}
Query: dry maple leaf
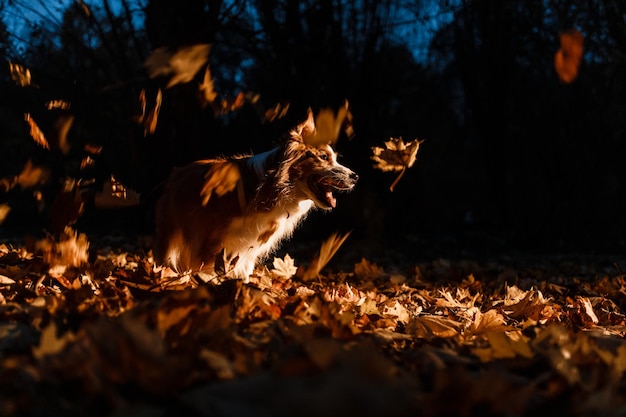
{"type": "Point", "coordinates": [58, 104]}
{"type": "Point", "coordinates": [328, 125]}
{"type": "Point", "coordinates": [567, 59]}
{"type": "Point", "coordinates": [70, 250]}
{"type": "Point", "coordinates": [327, 251]}
{"type": "Point", "coordinates": [32, 175]}
{"type": "Point", "coordinates": [207, 87]}
{"type": "Point", "coordinates": [396, 156]}
{"type": "Point", "coordinates": [4, 212]}
{"type": "Point", "coordinates": [284, 268]}
{"type": "Point", "coordinates": [181, 65]}
{"type": "Point", "coordinates": [20, 74]}
{"type": "Point", "coordinates": [36, 133]}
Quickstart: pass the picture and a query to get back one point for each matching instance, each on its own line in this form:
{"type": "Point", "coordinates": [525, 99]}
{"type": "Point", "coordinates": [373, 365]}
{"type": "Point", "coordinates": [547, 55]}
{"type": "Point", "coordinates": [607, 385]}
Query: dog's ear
{"type": "Point", "coordinates": [306, 129]}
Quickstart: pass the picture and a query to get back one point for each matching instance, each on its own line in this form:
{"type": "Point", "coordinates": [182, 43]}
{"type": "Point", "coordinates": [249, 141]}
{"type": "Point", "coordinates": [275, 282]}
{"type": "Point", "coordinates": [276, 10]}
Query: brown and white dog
{"type": "Point", "coordinates": [245, 206]}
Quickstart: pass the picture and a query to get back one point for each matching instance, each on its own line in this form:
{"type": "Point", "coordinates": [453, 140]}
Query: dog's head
{"type": "Point", "coordinates": [313, 170]}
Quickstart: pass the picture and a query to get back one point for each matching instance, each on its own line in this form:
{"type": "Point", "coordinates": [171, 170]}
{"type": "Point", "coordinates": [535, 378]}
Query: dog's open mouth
{"type": "Point", "coordinates": [323, 187]}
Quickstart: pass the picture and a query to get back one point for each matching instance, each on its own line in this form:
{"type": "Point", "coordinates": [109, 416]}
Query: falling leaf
{"type": "Point", "coordinates": [278, 111]}
{"type": "Point", "coordinates": [181, 65]}
{"type": "Point", "coordinates": [32, 175]}
{"type": "Point", "coordinates": [20, 74]}
{"type": "Point", "coordinates": [327, 251]}
{"type": "Point", "coordinates": [36, 133]}
{"type": "Point", "coordinates": [328, 125]}
{"type": "Point", "coordinates": [396, 156]}
{"type": "Point", "coordinates": [150, 121]}
{"type": "Point", "coordinates": [222, 177]}
{"type": "Point", "coordinates": [60, 129]}
{"type": "Point", "coordinates": [70, 249]}
{"type": "Point", "coordinates": [284, 268]}
{"type": "Point", "coordinates": [567, 59]}
{"type": "Point", "coordinates": [92, 149]}
{"type": "Point", "coordinates": [207, 88]}
{"type": "Point", "coordinates": [4, 212]}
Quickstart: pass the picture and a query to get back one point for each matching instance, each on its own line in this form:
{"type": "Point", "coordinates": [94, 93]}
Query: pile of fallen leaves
{"type": "Point", "coordinates": [97, 331]}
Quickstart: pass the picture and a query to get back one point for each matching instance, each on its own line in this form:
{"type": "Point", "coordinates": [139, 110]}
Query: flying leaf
{"type": "Point", "coordinates": [222, 177]}
{"type": "Point", "coordinates": [181, 65]}
{"type": "Point", "coordinates": [58, 104]}
{"type": "Point", "coordinates": [396, 156]}
{"type": "Point", "coordinates": [36, 133]}
{"type": "Point", "coordinates": [328, 125]}
{"type": "Point", "coordinates": [150, 121]}
{"type": "Point", "coordinates": [61, 128]}
{"type": "Point", "coordinates": [4, 212]}
{"type": "Point", "coordinates": [327, 251]}
{"type": "Point", "coordinates": [32, 175]}
{"type": "Point", "coordinates": [71, 249]}
{"type": "Point", "coordinates": [567, 59]}
{"type": "Point", "coordinates": [284, 268]}
{"type": "Point", "coordinates": [207, 88]}
{"type": "Point", "coordinates": [20, 74]}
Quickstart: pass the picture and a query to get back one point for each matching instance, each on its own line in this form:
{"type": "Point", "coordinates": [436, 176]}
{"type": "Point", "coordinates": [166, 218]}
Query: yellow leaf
{"type": "Point", "coordinates": [207, 87]}
{"type": "Point", "coordinates": [36, 133]}
{"type": "Point", "coordinates": [328, 125]}
{"type": "Point", "coordinates": [4, 212]}
{"type": "Point", "coordinates": [567, 59]}
{"type": "Point", "coordinates": [180, 65]}
{"type": "Point", "coordinates": [396, 156]}
{"type": "Point", "coordinates": [284, 268]}
{"type": "Point", "coordinates": [20, 74]}
{"type": "Point", "coordinates": [431, 326]}
{"type": "Point", "coordinates": [327, 251]}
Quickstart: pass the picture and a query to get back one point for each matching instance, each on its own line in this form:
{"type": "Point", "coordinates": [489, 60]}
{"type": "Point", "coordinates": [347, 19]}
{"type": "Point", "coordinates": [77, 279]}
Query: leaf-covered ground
{"type": "Point", "coordinates": [90, 329]}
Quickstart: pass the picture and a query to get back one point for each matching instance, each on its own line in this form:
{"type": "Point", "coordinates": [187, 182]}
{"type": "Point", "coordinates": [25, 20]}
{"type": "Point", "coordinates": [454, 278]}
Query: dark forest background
{"type": "Point", "coordinates": [513, 157]}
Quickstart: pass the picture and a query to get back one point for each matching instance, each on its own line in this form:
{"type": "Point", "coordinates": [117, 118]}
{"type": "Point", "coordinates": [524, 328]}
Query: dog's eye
{"type": "Point", "coordinates": [325, 157]}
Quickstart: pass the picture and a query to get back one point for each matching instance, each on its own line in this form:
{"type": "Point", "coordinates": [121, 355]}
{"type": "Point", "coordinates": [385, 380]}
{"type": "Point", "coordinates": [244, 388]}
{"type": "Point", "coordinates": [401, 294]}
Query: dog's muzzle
{"type": "Point", "coordinates": [323, 186]}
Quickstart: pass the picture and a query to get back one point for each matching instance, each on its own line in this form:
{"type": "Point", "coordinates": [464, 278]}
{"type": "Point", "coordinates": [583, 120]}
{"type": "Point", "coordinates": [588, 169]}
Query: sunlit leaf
{"type": "Point", "coordinates": [4, 212]}
{"type": "Point", "coordinates": [207, 88]}
{"type": "Point", "coordinates": [36, 133]}
{"type": "Point", "coordinates": [396, 156]}
{"type": "Point", "coordinates": [20, 74]}
{"type": "Point", "coordinates": [284, 268]}
{"type": "Point", "coordinates": [328, 125]}
{"type": "Point", "coordinates": [569, 56]}
{"type": "Point", "coordinates": [180, 66]}
{"type": "Point", "coordinates": [327, 251]}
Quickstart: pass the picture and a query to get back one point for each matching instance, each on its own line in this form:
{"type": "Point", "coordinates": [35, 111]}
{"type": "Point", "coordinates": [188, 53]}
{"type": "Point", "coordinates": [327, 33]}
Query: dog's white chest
{"type": "Point", "coordinates": [254, 236]}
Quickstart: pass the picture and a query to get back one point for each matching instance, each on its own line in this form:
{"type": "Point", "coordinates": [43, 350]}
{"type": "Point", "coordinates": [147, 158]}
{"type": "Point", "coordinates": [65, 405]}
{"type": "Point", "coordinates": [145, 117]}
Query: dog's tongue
{"type": "Point", "coordinates": [331, 199]}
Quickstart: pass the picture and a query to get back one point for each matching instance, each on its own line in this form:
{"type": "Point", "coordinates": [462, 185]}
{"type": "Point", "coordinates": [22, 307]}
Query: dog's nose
{"type": "Point", "coordinates": [354, 177]}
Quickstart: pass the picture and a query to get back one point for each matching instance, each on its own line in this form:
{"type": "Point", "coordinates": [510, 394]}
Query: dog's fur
{"type": "Point", "coordinates": [245, 206]}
